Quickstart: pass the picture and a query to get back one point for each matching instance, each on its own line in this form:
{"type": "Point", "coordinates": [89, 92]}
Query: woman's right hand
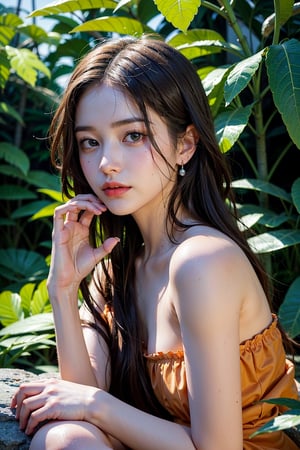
{"type": "Point", "coordinates": [73, 258]}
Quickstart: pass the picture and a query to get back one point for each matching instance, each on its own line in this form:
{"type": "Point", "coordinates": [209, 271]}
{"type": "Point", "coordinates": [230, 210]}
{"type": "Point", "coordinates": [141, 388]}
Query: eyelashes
{"type": "Point", "coordinates": [131, 137]}
{"type": "Point", "coordinates": [134, 137]}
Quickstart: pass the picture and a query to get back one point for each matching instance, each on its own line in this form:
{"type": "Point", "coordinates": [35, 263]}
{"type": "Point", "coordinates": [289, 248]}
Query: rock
{"type": "Point", "coordinates": [11, 437]}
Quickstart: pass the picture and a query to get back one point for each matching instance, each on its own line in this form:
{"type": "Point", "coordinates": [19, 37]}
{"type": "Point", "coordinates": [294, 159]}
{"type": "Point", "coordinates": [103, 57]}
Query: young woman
{"type": "Point", "coordinates": [175, 345]}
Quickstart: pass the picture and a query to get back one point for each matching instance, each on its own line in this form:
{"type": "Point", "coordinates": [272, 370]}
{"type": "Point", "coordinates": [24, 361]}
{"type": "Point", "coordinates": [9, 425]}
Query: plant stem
{"type": "Point", "coordinates": [261, 151]}
{"type": "Point", "coordinates": [231, 19]}
{"type": "Point", "coordinates": [214, 8]}
{"type": "Point", "coordinates": [248, 157]}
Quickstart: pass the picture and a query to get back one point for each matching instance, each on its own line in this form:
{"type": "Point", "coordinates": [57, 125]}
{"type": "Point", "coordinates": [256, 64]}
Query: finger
{"type": "Point", "coordinates": [29, 405]}
{"type": "Point", "coordinates": [86, 218]}
{"type": "Point", "coordinates": [82, 201]}
{"type": "Point", "coordinates": [69, 212]}
{"type": "Point", "coordinates": [106, 248]}
{"type": "Point", "coordinates": [13, 402]}
{"type": "Point", "coordinates": [24, 391]}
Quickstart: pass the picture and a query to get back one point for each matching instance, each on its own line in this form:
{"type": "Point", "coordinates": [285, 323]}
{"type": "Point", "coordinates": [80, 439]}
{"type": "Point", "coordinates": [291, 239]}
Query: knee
{"type": "Point", "coordinates": [69, 436]}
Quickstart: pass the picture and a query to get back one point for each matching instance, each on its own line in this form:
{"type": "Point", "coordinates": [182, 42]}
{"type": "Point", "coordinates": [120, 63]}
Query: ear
{"type": "Point", "coordinates": [187, 145]}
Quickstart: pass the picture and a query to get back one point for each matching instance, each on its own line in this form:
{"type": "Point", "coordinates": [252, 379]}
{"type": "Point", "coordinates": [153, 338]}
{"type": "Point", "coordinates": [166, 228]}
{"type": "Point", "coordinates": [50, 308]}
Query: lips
{"type": "Point", "coordinates": [114, 189]}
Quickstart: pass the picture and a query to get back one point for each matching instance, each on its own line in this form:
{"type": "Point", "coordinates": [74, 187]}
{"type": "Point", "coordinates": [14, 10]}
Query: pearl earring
{"type": "Point", "coordinates": [182, 170]}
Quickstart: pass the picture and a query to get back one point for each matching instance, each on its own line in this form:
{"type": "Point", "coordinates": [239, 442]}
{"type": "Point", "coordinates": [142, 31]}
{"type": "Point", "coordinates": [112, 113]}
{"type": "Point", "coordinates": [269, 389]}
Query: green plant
{"type": "Point", "coordinates": [288, 419]}
{"type": "Point", "coordinates": [248, 68]}
{"type": "Point", "coordinates": [252, 82]}
{"type": "Point", "coordinates": [27, 182]}
{"type": "Point", "coordinates": [27, 337]}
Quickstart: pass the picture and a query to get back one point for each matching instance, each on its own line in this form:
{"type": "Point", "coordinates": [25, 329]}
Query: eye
{"type": "Point", "coordinates": [87, 143]}
{"type": "Point", "coordinates": [134, 136]}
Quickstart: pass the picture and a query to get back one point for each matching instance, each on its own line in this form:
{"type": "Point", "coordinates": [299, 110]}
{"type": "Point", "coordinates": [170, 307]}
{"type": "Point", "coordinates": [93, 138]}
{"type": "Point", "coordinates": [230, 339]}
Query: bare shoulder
{"type": "Point", "coordinates": [206, 251]}
{"type": "Point", "coordinates": [208, 269]}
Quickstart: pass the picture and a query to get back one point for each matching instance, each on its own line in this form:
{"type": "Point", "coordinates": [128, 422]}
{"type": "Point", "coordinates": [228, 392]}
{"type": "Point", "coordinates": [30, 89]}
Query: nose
{"type": "Point", "coordinates": [111, 158]}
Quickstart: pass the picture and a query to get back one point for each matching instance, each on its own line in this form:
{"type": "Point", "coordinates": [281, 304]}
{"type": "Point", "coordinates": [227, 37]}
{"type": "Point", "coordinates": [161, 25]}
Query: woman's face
{"type": "Point", "coordinates": [116, 154]}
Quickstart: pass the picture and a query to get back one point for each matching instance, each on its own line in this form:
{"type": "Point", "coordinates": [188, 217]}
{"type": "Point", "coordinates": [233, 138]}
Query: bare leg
{"type": "Point", "coordinates": [69, 435]}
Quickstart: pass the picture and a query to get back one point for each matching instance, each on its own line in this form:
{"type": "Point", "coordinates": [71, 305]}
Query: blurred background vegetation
{"type": "Point", "coordinates": [247, 54]}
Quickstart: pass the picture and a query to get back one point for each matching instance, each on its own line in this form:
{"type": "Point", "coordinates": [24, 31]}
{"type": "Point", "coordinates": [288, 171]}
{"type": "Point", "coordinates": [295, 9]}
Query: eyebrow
{"type": "Point", "coordinates": [116, 124]}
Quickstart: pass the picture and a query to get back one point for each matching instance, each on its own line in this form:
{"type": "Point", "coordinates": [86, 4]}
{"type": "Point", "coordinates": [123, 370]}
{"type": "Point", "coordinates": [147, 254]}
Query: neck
{"type": "Point", "coordinates": [156, 230]}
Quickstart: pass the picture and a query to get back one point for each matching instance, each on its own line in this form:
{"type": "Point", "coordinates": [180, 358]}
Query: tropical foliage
{"type": "Point", "coordinates": [247, 57]}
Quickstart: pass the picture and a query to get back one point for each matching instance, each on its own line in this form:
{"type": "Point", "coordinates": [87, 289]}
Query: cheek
{"type": "Point", "coordinates": [87, 168]}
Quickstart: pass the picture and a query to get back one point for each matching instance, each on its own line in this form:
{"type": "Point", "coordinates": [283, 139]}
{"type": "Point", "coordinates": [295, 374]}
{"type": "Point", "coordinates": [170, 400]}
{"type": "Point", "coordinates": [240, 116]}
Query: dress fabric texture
{"type": "Point", "coordinates": [265, 373]}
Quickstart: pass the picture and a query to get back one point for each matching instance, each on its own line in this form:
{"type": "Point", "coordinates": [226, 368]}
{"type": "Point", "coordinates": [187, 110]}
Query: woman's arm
{"type": "Point", "coordinates": [54, 399]}
{"type": "Point", "coordinates": [73, 259]}
{"type": "Point", "coordinates": [208, 278]}
{"type": "Point", "coordinates": [207, 300]}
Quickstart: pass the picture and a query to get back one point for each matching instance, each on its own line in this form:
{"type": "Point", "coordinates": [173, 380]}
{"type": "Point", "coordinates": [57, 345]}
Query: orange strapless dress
{"type": "Point", "coordinates": [265, 373]}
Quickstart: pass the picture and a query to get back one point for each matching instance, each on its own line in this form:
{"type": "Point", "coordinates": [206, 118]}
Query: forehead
{"type": "Point", "coordinates": [105, 103]}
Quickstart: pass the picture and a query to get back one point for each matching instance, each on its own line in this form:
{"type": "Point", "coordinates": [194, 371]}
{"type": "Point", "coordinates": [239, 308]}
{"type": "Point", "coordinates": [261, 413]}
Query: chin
{"type": "Point", "coordinates": [119, 212]}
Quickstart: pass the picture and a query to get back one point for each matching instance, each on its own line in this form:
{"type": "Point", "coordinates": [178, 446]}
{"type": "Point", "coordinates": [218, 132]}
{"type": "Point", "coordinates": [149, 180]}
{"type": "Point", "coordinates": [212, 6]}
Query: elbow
{"type": "Point", "coordinates": [213, 444]}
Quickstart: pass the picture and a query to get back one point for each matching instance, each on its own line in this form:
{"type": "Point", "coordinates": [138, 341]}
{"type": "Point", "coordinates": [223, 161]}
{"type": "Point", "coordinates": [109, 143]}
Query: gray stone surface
{"type": "Point", "coordinates": [11, 437]}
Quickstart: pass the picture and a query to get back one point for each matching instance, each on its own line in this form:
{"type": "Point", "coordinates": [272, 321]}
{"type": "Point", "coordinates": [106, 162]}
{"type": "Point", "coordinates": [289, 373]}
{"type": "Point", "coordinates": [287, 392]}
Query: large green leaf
{"type": "Point", "coordinates": [283, 11]}
{"type": "Point", "coordinates": [4, 68]}
{"type": "Point", "coordinates": [207, 47]}
{"type": "Point", "coordinates": [251, 214]}
{"type": "Point", "coordinates": [52, 193]}
{"type": "Point", "coordinates": [120, 25]}
{"type": "Point", "coordinates": [29, 209]}
{"type": "Point", "coordinates": [33, 324]}
{"type": "Point", "coordinates": [22, 265]}
{"type": "Point", "coordinates": [274, 240]}
{"type": "Point", "coordinates": [42, 179]}
{"type": "Point", "coordinates": [13, 192]}
{"type": "Point", "coordinates": [46, 211]}
{"type": "Point", "coordinates": [240, 76]}
{"type": "Point", "coordinates": [284, 75]}
{"type": "Point", "coordinates": [122, 3]}
{"type": "Point", "coordinates": [146, 10]}
{"type": "Point", "coordinates": [8, 24]}
{"type": "Point", "coordinates": [179, 12]}
{"type": "Point", "coordinates": [289, 311]}
{"type": "Point", "coordinates": [27, 342]}
{"type": "Point", "coordinates": [65, 6]}
{"type": "Point", "coordinates": [296, 194]}
{"type": "Point", "coordinates": [26, 294]}
{"type": "Point", "coordinates": [39, 35]}
{"type": "Point", "coordinates": [195, 43]}
{"type": "Point", "coordinates": [271, 219]}
{"type": "Point", "coordinates": [10, 20]}
{"type": "Point", "coordinates": [6, 34]}
{"type": "Point", "coordinates": [40, 300]}
{"type": "Point", "coordinates": [229, 125]}
{"type": "Point", "coordinates": [286, 420]}
{"type": "Point", "coordinates": [214, 78]}
{"type": "Point", "coordinates": [11, 171]}
{"type": "Point", "coordinates": [26, 64]}
{"type": "Point", "coordinates": [284, 401]}
{"type": "Point", "coordinates": [10, 308]}
{"type": "Point", "coordinates": [15, 156]}
{"type": "Point", "coordinates": [261, 186]}
{"type": "Point", "coordinates": [5, 108]}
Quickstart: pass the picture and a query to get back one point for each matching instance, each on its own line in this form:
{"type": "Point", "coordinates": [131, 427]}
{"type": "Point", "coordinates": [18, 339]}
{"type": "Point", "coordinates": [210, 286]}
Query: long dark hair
{"type": "Point", "coordinates": [153, 75]}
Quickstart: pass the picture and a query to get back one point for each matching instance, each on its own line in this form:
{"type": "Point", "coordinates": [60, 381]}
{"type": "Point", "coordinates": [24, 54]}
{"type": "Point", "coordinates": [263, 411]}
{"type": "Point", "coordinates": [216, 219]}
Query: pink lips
{"type": "Point", "coordinates": [114, 189]}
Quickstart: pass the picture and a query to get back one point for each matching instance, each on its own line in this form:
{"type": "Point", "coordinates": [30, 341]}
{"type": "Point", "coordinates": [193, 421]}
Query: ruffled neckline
{"type": "Point", "coordinates": [249, 344]}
